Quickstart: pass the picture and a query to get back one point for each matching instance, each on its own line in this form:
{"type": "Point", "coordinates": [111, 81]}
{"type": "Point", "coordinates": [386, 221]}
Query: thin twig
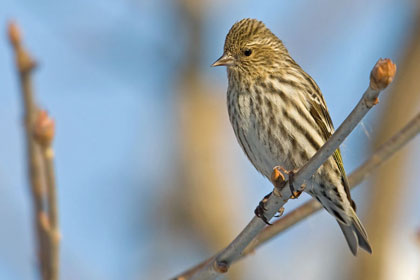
{"type": "Point", "coordinates": [44, 134]}
{"type": "Point", "coordinates": [39, 135]}
{"type": "Point", "coordinates": [386, 150]}
{"type": "Point", "coordinates": [394, 144]}
{"type": "Point", "coordinates": [54, 235]}
{"type": "Point", "coordinates": [25, 64]}
{"type": "Point", "coordinates": [381, 75]}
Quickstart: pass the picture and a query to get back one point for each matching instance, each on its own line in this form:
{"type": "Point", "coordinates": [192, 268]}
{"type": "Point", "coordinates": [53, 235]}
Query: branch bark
{"type": "Point", "coordinates": [40, 162]}
{"type": "Point", "coordinates": [381, 75]}
{"type": "Point", "coordinates": [389, 148]}
{"type": "Point", "coordinates": [25, 65]}
{"type": "Point", "coordinates": [384, 152]}
{"type": "Point", "coordinates": [44, 130]}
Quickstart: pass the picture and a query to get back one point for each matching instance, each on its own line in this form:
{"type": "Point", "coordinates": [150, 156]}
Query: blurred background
{"type": "Point", "coordinates": [150, 177]}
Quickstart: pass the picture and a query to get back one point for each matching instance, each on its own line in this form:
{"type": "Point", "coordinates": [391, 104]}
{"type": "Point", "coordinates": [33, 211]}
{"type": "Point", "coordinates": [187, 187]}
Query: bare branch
{"type": "Point", "coordinates": [356, 177]}
{"type": "Point", "coordinates": [25, 64]}
{"type": "Point", "coordinates": [39, 135]}
{"type": "Point", "coordinates": [44, 131]}
{"type": "Point", "coordinates": [381, 75]}
{"type": "Point", "coordinates": [389, 148]}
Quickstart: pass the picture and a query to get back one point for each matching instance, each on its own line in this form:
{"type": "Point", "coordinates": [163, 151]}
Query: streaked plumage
{"type": "Point", "coordinates": [280, 118]}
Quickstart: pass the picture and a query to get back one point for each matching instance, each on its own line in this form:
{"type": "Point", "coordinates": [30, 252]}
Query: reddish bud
{"type": "Point", "coordinates": [44, 129]}
{"type": "Point", "coordinates": [14, 33]}
{"type": "Point", "coordinates": [382, 74]}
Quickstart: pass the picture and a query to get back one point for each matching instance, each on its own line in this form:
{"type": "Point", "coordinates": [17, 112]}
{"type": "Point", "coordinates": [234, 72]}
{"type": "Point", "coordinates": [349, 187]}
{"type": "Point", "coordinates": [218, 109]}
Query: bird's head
{"type": "Point", "coordinates": [252, 48]}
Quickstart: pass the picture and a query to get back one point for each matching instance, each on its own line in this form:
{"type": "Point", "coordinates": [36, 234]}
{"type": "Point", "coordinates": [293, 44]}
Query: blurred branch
{"type": "Point", "coordinates": [38, 153]}
{"type": "Point", "coordinates": [25, 64]}
{"type": "Point", "coordinates": [381, 75]}
{"type": "Point", "coordinates": [44, 134]}
{"type": "Point", "coordinates": [201, 177]}
{"type": "Point", "coordinates": [385, 210]}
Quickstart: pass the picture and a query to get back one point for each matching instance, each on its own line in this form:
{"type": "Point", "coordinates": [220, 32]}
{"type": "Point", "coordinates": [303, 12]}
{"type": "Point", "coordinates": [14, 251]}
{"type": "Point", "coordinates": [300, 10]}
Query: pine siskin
{"type": "Point", "coordinates": [280, 118]}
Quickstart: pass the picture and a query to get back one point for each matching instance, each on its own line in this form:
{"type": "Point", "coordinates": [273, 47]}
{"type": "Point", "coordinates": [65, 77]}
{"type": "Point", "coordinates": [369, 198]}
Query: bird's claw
{"type": "Point", "coordinates": [295, 194]}
{"type": "Point", "coordinates": [291, 181]}
{"type": "Point", "coordinates": [277, 177]}
{"type": "Point", "coordinates": [281, 211]}
{"type": "Point", "coordinates": [259, 211]}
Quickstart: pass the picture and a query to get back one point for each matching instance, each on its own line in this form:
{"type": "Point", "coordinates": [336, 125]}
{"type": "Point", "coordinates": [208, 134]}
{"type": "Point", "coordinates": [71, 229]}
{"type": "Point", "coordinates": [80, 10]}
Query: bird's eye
{"type": "Point", "coordinates": [247, 52]}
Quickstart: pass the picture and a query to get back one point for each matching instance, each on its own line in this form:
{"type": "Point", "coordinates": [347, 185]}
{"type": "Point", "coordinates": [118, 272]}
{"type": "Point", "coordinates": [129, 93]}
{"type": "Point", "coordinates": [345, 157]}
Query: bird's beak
{"type": "Point", "coordinates": [224, 60]}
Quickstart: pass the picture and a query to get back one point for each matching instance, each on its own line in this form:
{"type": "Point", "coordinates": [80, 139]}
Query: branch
{"type": "Point", "coordinates": [25, 64]}
{"type": "Point", "coordinates": [385, 151]}
{"type": "Point", "coordinates": [381, 75]}
{"type": "Point", "coordinates": [44, 130]}
{"type": "Point", "coordinates": [389, 148]}
{"type": "Point", "coordinates": [39, 134]}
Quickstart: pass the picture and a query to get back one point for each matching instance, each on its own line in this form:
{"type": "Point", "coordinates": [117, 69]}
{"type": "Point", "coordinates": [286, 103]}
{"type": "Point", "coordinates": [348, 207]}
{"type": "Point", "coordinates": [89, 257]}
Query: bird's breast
{"type": "Point", "coordinates": [256, 120]}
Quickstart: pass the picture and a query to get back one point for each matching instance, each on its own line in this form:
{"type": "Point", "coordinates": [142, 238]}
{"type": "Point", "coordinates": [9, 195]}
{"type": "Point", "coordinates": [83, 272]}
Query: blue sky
{"type": "Point", "coordinates": [107, 74]}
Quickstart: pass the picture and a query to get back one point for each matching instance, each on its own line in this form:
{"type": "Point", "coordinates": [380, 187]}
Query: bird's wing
{"type": "Point", "coordinates": [319, 111]}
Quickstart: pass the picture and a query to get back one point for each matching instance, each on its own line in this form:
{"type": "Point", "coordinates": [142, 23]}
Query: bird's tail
{"type": "Point", "coordinates": [355, 235]}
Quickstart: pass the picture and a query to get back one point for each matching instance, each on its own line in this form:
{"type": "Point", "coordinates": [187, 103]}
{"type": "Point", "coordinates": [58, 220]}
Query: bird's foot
{"type": "Point", "coordinates": [277, 178]}
{"type": "Point", "coordinates": [280, 213]}
{"type": "Point", "coordinates": [295, 193]}
{"type": "Point", "coordinates": [259, 211]}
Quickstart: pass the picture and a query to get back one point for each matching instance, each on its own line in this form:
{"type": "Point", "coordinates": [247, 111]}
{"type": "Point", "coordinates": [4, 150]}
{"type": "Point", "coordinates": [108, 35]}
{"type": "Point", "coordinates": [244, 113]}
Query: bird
{"type": "Point", "coordinates": [280, 118]}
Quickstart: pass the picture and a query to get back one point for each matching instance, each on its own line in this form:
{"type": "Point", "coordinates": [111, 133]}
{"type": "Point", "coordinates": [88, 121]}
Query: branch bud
{"type": "Point", "coordinates": [382, 74]}
{"type": "Point", "coordinates": [44, 129]}
{"type": "Point", "coordinates": [14, 33]}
